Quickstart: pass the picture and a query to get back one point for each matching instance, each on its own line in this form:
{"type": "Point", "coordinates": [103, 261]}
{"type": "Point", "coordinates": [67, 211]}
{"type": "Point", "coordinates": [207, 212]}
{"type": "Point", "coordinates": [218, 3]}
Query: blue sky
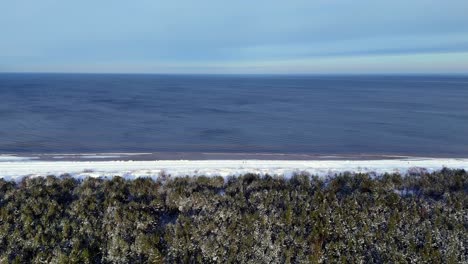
{"type": "Point", "coordinates": [216, 36]}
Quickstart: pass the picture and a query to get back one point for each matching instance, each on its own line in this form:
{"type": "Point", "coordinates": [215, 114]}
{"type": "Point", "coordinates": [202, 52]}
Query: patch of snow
{"type": "Point", "coordinates": [5, 158]}
{"type": "Point", "coordinates": [99, 157]}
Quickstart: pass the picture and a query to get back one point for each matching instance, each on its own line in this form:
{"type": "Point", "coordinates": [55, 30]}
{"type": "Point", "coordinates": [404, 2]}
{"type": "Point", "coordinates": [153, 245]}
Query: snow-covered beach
{"type": "Point", "coordinates": [15, 168]}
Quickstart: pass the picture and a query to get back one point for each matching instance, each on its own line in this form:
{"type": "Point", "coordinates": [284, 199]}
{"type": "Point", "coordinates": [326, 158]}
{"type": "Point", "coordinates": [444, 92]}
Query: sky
{"type": "Point", "coordinates": [237, 36]}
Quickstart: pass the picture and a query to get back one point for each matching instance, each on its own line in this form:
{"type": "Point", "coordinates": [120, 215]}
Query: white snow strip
{"type": "Point", "coordinates": [135, 169]}
{"type": "Point", "coordinates": [104, 153]}
{"type": "Point", "coordinates": [14, 158]}
{"type": "Point", "coordinates": [99, 157]}
{"type": "Point", "coordinates": [89, 157]}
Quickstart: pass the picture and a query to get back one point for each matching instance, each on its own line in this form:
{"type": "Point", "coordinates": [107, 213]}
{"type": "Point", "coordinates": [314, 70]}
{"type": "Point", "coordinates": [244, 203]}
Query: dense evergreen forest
{"type": "Point", "coordinates": [354, 218]}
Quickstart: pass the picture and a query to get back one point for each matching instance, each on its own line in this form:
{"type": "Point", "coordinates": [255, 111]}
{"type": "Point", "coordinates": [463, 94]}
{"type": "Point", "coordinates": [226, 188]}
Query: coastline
{"type": "Point", "coordinates": [107, 166]}
{"type": "Point", "coordinates": [152, 156]}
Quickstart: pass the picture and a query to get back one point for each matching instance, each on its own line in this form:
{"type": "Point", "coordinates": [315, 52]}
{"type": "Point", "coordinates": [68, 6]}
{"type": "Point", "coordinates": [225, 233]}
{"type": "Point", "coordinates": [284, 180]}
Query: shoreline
{"type": "Point", "coordinates": [167, 156]}
{"type": "Point", "coordinates": [130, 169]}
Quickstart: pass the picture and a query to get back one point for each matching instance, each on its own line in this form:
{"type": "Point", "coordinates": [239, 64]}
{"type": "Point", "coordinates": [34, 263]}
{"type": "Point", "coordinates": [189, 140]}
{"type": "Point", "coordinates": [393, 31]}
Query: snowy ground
{"type": "Point", "coordinates": [15, 168]}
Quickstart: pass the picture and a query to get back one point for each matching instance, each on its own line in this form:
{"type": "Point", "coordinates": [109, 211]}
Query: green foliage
{"type": "Point", "coordinates": [421, 217]}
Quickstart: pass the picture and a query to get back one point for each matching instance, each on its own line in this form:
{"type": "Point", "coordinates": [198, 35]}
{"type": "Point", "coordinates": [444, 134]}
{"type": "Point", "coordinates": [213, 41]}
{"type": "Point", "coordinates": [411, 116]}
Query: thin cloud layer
{"type": "Point", "coordinates": [233, 36]}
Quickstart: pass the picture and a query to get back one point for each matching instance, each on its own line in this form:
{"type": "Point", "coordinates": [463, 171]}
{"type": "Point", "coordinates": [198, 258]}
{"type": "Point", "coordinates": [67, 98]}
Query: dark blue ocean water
{"type": "Point", "coordinates": [79, 113]}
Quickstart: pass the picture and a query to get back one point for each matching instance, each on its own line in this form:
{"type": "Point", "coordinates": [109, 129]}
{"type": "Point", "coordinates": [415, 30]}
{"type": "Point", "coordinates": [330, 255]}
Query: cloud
{"type": "Point", "coordinates": [59, 35]}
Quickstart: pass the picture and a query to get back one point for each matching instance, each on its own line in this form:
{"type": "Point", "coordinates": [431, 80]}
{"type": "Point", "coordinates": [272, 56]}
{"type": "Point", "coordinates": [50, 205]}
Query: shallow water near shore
{"type": "Point", "coordinates": [204, 117]}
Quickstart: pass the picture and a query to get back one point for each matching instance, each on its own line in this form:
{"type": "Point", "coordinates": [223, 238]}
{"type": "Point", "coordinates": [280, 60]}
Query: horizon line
{"type": "Point", "coordinates": [252, 74]}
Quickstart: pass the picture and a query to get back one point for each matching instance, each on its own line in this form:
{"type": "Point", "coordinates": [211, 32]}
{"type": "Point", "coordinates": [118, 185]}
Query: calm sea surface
{"type": "Point", "coordinates": [79, 113]}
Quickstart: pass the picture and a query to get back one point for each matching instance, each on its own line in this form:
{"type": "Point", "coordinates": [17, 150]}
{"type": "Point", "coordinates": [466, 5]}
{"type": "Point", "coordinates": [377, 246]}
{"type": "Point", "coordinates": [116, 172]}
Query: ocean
{"type": "Point", "coordinates": [321, 115]}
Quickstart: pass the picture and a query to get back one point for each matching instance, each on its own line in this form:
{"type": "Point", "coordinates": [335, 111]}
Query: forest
{"type": "Point", "coordinates": [421, 217]}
